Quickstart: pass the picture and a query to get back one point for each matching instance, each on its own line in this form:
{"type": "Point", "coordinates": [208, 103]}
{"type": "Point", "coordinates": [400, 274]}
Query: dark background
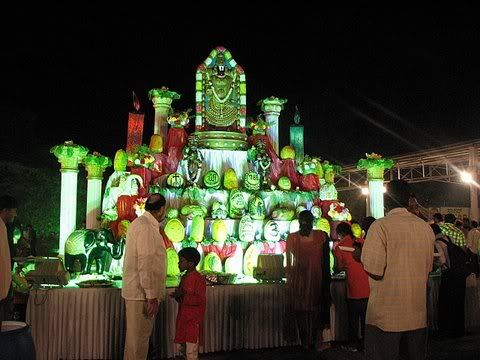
{"type": "Point", "coordinates": [364, 80]}
{"type": "Point", "coordinates": [389, 81]}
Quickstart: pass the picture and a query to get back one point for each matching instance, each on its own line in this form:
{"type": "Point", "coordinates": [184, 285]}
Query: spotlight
{"type": "Point", "coordinates": [365, 191]}
{"type": "Point", "coordinates": [466, 177]}
{"type": "Point", "coordinates": [384, 189]}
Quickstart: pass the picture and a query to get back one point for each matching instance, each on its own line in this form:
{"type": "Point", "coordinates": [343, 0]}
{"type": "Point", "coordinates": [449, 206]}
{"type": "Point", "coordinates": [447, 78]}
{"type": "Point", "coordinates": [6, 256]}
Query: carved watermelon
{"type": "Point", "coordinates": [219, 231]}
{"type": "Point", "coordinates": [250, 259]}
{"type": "Point", "coordinates": [172, 262]}
{"type": "Point", "coordinates": [175, 230]}
{"type": "Point", "coordinates": [236, 204]}
{"type": "Point", "coordinates": [211, 180]}
{"type": "Point", "coordinates": [197, 229]}
{"type": "Point", "coordinates": [230, 180]}
{"type": "Point", "coordinates": [256, 208]}
{"type": "Point", "coordinates": [271, 231]}
{"type": "Point", "coordinates": [284, 183]}
{"type": "Point", "coordinates": [212, 262]}
{"type": "Point", "coordinates": [246, 229]}
{"type": "Point", "coordinates": [287, 153]}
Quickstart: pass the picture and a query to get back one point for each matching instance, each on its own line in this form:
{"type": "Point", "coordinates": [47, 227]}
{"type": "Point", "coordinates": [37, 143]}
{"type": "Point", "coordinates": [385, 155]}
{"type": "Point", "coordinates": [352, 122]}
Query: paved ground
{"type": "Point", "coordinates": [466, 348]}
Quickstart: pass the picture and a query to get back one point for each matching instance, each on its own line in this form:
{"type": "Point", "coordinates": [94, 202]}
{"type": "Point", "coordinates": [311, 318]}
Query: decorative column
{"type": "Point", "coordinates": [162, 100]}
{"type": "Point", "coordinates": [95, 164]}
{"type": "Point", "coordinates": [297, 137]}
{"type": "Point", "coordinates": [375, 165]}
{"type": "Point", "coordinates": [271, 108]}
{"type": "Point", "coordinates": [69, 156]}
{"type": "Point", "coordinates": [472, 162]}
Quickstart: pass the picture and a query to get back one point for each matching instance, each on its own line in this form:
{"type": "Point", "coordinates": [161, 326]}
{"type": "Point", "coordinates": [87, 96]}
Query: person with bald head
{"type": "Point", "coordinates": [144, 276]}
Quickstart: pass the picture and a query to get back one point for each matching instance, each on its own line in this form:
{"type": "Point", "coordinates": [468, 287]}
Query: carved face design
{"type": "Point", "coordinates": [220, 65]}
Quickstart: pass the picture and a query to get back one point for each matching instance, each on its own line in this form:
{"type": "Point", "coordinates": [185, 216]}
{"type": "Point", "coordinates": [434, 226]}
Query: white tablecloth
{"type": "Point", "coordinates": [89, 323]}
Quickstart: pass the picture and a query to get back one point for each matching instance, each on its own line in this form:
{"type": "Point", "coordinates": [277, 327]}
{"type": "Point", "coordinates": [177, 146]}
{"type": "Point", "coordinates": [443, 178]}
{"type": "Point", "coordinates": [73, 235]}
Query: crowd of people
{"type": "Point", "coordinates": [387, 263]}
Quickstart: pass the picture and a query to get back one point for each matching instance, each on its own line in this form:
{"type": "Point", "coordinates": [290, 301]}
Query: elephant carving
{"type": "Point", "coordinates": [84, 247]}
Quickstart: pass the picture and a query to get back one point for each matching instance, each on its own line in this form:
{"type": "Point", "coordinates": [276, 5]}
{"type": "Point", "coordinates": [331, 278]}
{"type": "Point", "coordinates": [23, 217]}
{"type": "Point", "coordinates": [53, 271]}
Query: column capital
{"type": "Point", "coordinates": [95, 164]}
{"type": "Point", "coordinates": [375, 166]}
{"type": "Point", "coordinates": [162, 98]}
{"type": "Point", "coordinates": [272, 104]}
{"type": "Point", "coordinates": [69, 155]}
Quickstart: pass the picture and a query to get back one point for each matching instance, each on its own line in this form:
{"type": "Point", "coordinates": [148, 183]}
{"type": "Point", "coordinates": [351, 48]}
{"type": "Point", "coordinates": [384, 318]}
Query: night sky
{"type": "Point", "coordinates": [363, 80]}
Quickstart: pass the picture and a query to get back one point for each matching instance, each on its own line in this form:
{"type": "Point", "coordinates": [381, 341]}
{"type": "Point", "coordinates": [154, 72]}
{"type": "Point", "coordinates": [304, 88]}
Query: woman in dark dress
{"type": "Point", "coordinates": [308, 283]}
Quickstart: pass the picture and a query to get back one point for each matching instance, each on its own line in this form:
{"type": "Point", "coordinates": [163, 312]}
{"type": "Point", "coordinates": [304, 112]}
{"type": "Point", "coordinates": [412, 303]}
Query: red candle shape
{"type": "Point", "coordinates": [135, 126]}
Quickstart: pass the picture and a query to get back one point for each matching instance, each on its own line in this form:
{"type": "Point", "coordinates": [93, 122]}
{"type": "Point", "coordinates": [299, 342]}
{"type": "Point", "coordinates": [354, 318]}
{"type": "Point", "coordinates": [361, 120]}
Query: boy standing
{"type": "Point", "coordinates": [191, 296]}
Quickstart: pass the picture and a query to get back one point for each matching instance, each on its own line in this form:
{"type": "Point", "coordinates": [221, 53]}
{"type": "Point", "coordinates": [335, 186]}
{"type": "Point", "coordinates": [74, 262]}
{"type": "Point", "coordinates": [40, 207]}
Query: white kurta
{"type": "Point", "coordinates": [145, 261]}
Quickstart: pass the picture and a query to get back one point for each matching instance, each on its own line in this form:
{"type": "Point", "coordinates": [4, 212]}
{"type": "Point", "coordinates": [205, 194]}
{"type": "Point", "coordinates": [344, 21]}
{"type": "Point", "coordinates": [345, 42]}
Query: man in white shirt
{"type": "Point", "coordinates": [398, 256]}
{"type": "Point", "coordinates": [144, 276]}
{"type": "Point", "coordinates": [8, 211]}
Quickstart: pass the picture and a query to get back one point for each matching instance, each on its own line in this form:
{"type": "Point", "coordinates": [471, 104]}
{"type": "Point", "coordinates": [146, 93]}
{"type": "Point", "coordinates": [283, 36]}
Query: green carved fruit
{"type": "Point", "coordinates": [175, 230]}
{"type": "Point", "coordinates": [287, 153]}
{"type": "Point", "coordinates": [230, 180]}
{"type": "Point", "coordinates": [246, 229]}
{"type": "Point", "coordinates": [271, 231]}
{"type": "Point", "coordinates": [236, 204]}
{"type": "Point", "coordinates": [284, 183]}
{"type": "Point", "coordinates": [120, 161]}
{"type": "Point", "coordinates": [198, 228]}
{"type": "Point", "coordinates": [172, 213]}
{"type": "Point", "coordinates": [283, 214]}
{"type": "Point", "coordinates": [175, 180]}
{"type": "Point", "coordinates": [256, 208]}
{"type": "Point", "coordinates": [250, 259]}
{"type": "Point", "coordinates": [211, 180]}
{"type": "Point", "coordinates": [322, 224]}
{"type": "Point", "coordinates": [212, 262]}
{"type": "Point", "coordinates": [294, 226]}
{"type": "Point", "coordinates": [251, 181]}
{"type": "Point", "coordinates": [219, 231]}
{"type": "Point", "coordinates": [172, 262]}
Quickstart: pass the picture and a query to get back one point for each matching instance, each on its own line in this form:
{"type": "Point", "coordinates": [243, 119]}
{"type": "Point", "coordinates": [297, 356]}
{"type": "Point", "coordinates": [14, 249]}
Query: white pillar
{"type": "Point", "coordinates": [367, 205]}
{"type": "Point", "coordinates": [474, 212]}
{"type": "Point", "coordinates": [271, 108]}
{"type": "Point", "coordinates": [162, 109]}
{"type": "Point", "coordinates": [94, 202]}
{"type": "Point", "coordinates": [375, 188]}
{"type": "Point", "coordinates": [68, 206]}
{"type": "Point", "coordinates": [271, 117]}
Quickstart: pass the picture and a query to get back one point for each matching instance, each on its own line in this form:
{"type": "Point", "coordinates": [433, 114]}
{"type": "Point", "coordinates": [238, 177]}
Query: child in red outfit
{"type": "Point", "coordinates": [358, 289]}
{"type": "Point", "coordinates": [191, 296]}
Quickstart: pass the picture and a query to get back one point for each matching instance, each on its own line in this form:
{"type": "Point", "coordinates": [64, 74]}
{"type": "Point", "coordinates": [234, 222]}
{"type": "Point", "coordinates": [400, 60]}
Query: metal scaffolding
{"type": "Point", "coordinates": [443, 164]}
{"type": "Point", "coordinates": [438, 164]}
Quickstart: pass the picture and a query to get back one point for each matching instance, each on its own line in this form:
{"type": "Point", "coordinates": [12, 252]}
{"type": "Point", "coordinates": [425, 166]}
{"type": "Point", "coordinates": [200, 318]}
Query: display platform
{"type": "Point", "coordinates": [89, 323]}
